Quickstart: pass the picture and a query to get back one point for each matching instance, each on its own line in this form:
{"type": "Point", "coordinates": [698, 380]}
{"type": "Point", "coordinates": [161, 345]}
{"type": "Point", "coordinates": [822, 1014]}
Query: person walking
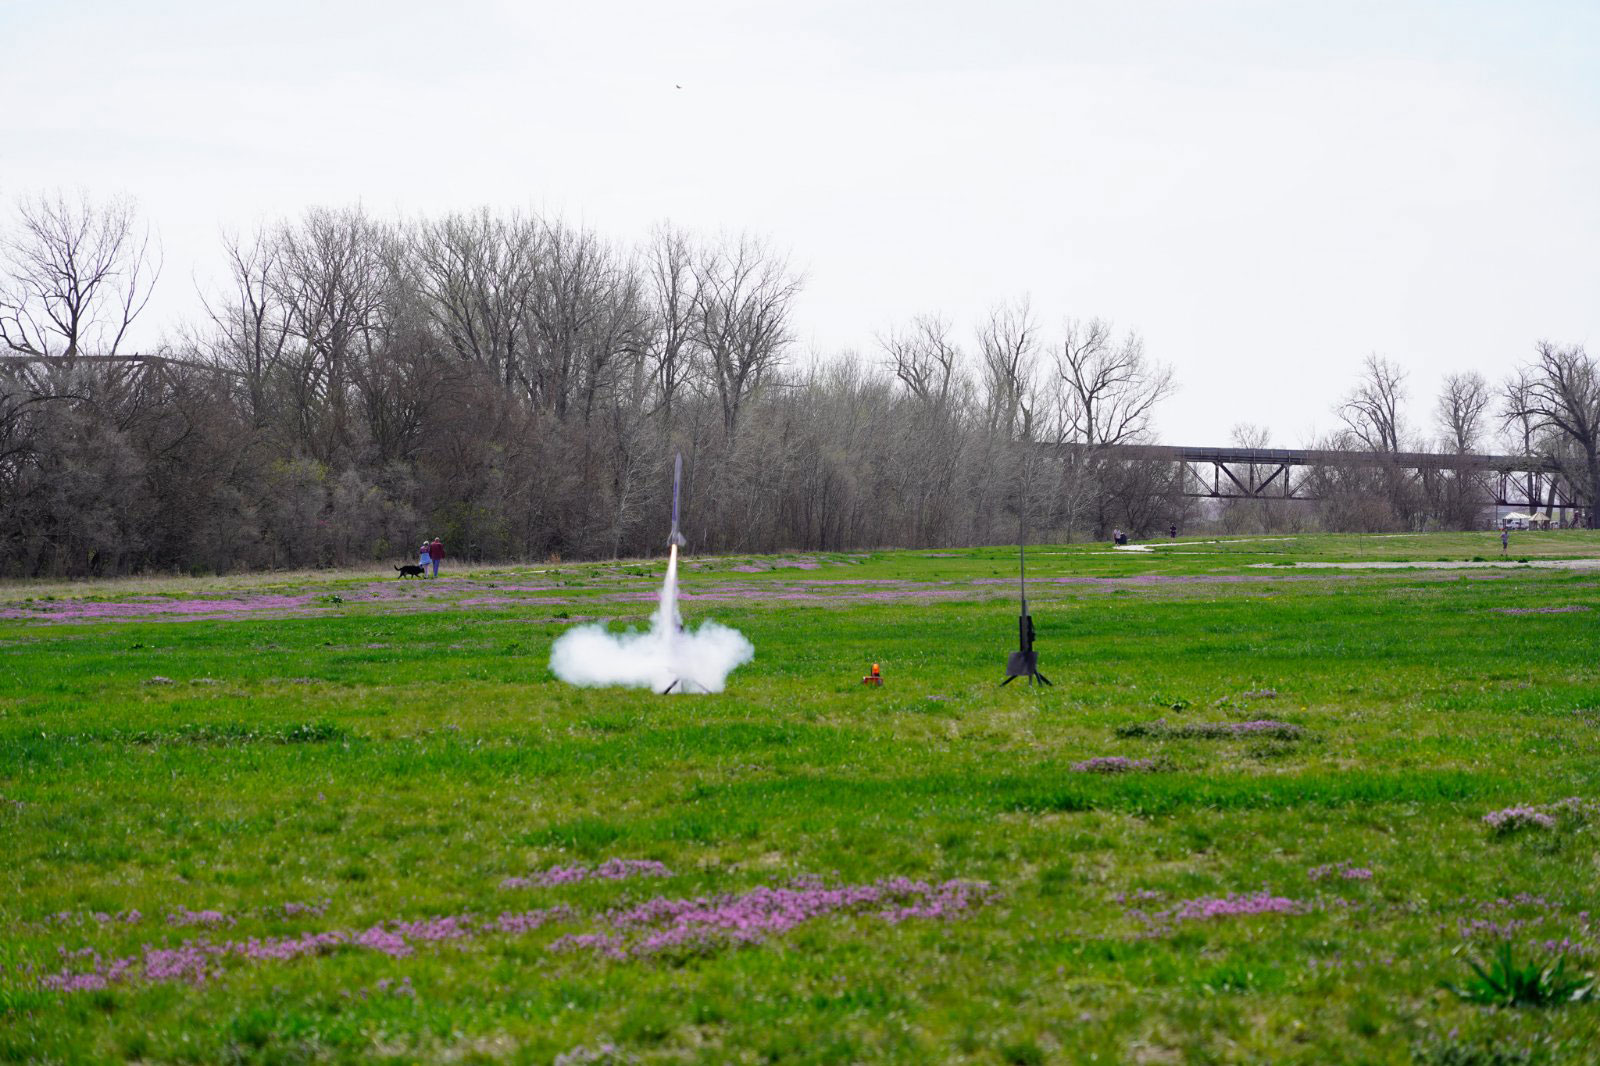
{"type": "Point", "coordinates": [422, 555]}
{"type": "Point", "coordinates": [1505, 540]}
{"type": "Point", "coordinates": [435, 553]}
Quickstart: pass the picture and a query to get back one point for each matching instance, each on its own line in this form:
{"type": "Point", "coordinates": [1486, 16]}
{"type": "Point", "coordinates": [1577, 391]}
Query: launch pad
{"type": "Point", "coordinates": [1024, 662]}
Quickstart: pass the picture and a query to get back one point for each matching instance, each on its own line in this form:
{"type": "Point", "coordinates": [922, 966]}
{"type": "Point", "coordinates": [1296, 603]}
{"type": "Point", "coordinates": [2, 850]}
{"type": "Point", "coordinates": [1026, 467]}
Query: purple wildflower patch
{"type": "Point", "coordinates": [610, 870]}
{"type": "Point", "coordinates": [1260, 727]}
{"type": "Point", "coordinates": [606, 944]}
{"type": "Point", "coordinates": [1569, 609]}
{"type": "Point", "coordinates": [1138, 895]}
{"type": "Point", "coordinates": [704, 924]}
{"type": "Point", "coordinates": [295, 910]}
{"type": "Point", "coordinates": [183, 916]}
{"type": "Point", "coordinates": [1206, 908]}
{"type": "Point", "coordinates": [1507, 918]}
{"type": "Point", "coordinates": [129, 917]}
{"type": "Point", "coordinates": [1211, 908]}
{"type": "Point", "coordinates": [1113, 764]}
{"type": "Point", "coordinates": [1343, 870]}
{"type": "Point", "coordinates": [81, 611]}
{"type": "Point", "coordinates": [654, 927]}
{"type": "Point", "coordinates": [1512, 819]}
{"type": "Point", "coordinates": [200, 960]}
{"type": "Point", "coordinates": [1568, 946]}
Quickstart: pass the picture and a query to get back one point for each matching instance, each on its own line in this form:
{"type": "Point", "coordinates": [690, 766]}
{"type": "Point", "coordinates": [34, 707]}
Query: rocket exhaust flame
{"type": "Point", "coordinates": [668, 657]}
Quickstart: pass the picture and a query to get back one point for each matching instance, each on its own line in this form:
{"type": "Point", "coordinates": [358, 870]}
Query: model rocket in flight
{"type": "Point", "coordinates": [676, 539]}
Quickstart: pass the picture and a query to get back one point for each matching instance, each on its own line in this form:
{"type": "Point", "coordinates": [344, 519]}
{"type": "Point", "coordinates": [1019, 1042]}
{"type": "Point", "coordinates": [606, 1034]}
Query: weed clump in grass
{"type": "Point", "coordinates": [1246, 696]}
{"type": "Point", "coordinates": [1115, 764]}
{"type": "Point", "coordinates": [1023, 1053]}
{"type": "Point", "coordinates": [1503, 982]}
{"type": "Point", "coordinates": [1260, 727]}
{"type": "Point", "coordinates": [237, 733]}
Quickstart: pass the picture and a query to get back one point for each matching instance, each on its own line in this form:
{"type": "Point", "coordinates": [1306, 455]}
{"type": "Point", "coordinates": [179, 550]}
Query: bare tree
{"type": "Point", "coordinates": [1106, 392]}
{"type": "Point", "coordinates": [1461, 411]}
{"type": "Point", "coordinates": [76, 277]}
{"type": "Point", "coordinates": [1256, 515]}
{"type": "Point", "coordinates": [478, 273]}
{"type": "Point", "coordinates": [743, 297]}
{"type": "Point", "coordinates": [334, 275]}
{"type": "Point", "coordinates": [1518, 425]}
{"type": "Point", "coordinates": [1250, 435]}
{"type": "Point", "coordinates": [1109, 391]}
{"type": "Point", "coordinates": [1372, 409]}
{"type": "Point", "coordinates": [1521, 429]}
{"type": "Point", "coordinates": [923, 357]}
{"type": "Point", "coordinates": [1008, 345]}
{"type": "Point", "coordinates": [670, 273]}
{"type": "Point", "coordinates": [1457, 498]}
{"type": "Point", "coordinates": [249, 324]}
{"type": "Point", "coordinates": [586, 310]}
{"type": "Point", "coordinates": [1373, 418]}
{"type": "Point", "coordinates": [1559, 392]}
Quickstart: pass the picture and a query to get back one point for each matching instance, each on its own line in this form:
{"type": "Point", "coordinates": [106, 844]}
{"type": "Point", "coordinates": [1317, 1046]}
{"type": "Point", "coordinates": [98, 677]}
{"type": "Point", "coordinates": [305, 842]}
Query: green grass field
{"type": "Point", "coordinates": [273, 818]}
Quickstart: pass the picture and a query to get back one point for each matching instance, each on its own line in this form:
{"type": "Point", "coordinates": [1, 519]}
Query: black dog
{"type": "Point", "coordinates": [410, 570]}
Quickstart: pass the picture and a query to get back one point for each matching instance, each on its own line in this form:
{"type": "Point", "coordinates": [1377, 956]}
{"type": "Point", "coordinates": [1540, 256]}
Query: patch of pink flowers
{"type": "Point", "coordinates": [606, 944]}
{"type": "Point", "coordinates": [131, 917]}
{"type": "Point", "coordinates": [183, 916]}
{"type": "Point", "coordinates": [1138, 895]}
{"type": "Point", "coordinates": [1263, 725]}
{"type": "Point", "coordinates": [79, 611]}
{"type": "Point", "coordinates": [1113, 764]}
{"type": "Point", "coordinates": [1511, 819]}
{"type": "Point", "coordinates": [200, 960]}
{"type": "Point", "coordinates": [294, 910]}
{"type": "Point", "coordinates": [707, 923]}
{"type": "Point", "coordinates": [1343, 870]}
{"type": "Point", "coordinates": [1569, 609]}
{"type": "Point", "coordinates": [659, 926]}
{"type": "Point", "coordinates": [1206, 908]}
{"type": "Point", "coordinates": [1211, 908]}
{"type": "Point", "coordinates": [1524, 816]}
{"type": "Point", "coordinates": [610, 870]}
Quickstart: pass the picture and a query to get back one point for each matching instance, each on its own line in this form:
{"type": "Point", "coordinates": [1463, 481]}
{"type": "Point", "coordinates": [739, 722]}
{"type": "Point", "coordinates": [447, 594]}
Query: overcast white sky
{"type": "Point", "coordinates": [1267, 191]}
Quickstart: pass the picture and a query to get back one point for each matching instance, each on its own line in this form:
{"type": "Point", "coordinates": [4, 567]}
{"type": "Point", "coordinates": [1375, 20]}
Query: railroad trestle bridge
{"type": "Point", "coordinates": [1525, 481]}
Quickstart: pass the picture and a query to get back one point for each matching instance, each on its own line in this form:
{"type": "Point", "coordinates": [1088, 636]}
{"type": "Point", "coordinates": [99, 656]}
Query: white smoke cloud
{"type": "Point", "coordinates": [698, 660]}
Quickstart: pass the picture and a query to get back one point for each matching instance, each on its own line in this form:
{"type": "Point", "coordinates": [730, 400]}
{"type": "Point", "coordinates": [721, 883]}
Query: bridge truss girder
{"type": "Point", "coordinates": [1271, 481]}
{"type": "Point", "coordinates": [1219, 480]}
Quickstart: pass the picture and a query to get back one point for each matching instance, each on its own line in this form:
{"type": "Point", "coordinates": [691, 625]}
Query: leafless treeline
{"type": "Point", "coordinates": [517, 385]}
{"type": "Point", "coordinates": [1548, 407]}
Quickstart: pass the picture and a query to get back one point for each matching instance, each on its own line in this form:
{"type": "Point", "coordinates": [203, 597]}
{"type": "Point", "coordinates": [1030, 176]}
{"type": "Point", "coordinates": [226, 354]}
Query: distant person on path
{"type": "Point", "coordinates": [1505, 540]}
{"type": "Point", "coordinates": [422, 555]}
{"type": "Point", "coordinates": [435, 553]}
{"type": "Point", "coordinates": [1173, 532]}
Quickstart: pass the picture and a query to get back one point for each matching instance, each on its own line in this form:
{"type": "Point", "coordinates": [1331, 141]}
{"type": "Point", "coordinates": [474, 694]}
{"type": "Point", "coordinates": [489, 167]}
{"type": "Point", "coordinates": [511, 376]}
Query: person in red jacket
{"type": "Point", "coordinates": [435, 553]}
